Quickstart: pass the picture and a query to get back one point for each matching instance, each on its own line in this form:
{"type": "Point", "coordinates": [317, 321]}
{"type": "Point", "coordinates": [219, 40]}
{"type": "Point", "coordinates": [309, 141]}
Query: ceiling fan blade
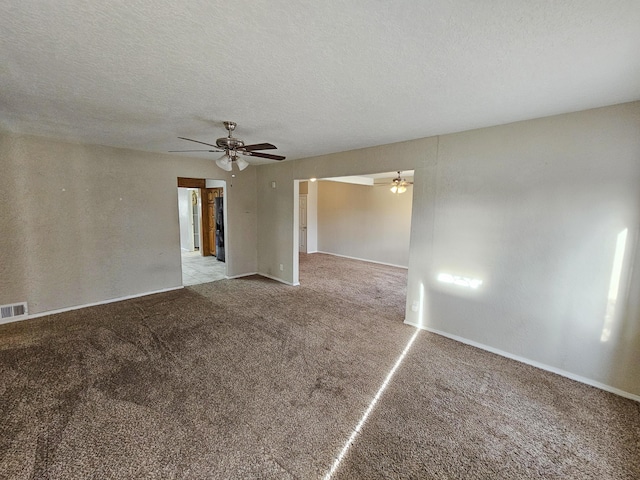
{"type": "Point", "coordinates": [266, 155]}
{"type": "Point", "coordinates": [198, 141]}
{"type": "Point", "coordinates": [195, 151]}
{"type": "Point", "coordinates": [259, 146]}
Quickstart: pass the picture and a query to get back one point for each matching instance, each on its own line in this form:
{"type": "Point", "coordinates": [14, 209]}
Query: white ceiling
{"type": "Point", "coordinates": [312, 77]}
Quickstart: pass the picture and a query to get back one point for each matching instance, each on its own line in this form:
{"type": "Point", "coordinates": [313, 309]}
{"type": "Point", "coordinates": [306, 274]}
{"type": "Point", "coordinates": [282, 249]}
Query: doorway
{"type": "Point", "coordinates": [359, 217]}
{"type": "Point", "coordinates": [202, 220]}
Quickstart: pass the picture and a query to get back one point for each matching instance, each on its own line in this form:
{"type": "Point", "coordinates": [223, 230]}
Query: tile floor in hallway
{"type": "Point", "coordinates": [197, 269]}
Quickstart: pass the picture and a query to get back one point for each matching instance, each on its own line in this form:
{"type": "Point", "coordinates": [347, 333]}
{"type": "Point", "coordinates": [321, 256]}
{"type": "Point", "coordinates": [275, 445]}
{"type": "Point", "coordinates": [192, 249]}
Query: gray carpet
{"type": "Point", "coordinates": [250, 378]}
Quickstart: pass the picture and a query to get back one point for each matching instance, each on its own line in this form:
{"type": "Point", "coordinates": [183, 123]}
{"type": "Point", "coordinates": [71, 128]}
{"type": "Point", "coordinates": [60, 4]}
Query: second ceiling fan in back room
{"type": "Point", "coordinates": [234, 150]}
{"type": "Point", "coordinates": [399, 184]}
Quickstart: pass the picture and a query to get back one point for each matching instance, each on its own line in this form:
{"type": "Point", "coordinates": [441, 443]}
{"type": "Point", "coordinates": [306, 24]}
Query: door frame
{"type": "Point", "coordinates": [296, 220]}
{"type": "Point", "coordinates": [201, 184]}
{"type": "Point", "coordinates": [302, 196]}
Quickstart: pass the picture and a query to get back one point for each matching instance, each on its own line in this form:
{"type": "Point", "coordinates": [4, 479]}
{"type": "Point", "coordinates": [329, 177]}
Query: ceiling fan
{"type": "Point", "coordinates": [399, 184]}
{"type": "Point", "coordinates": [234, 149]}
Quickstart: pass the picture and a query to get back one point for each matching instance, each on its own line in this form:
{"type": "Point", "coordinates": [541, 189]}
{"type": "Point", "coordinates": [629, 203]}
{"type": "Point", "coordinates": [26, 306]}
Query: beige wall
{"type": "Point", "coordinates": [534, 210]}
{"type": "Point", "coordinates": [82, 224]}
{"type": "Point", "coordinates": [365, 222]}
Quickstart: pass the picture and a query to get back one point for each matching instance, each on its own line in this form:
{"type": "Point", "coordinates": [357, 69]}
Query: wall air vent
{"type": "Point", "coordinates": [11, 313]}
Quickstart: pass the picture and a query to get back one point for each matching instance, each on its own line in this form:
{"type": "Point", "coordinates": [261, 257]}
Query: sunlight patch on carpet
{"type": "Point", "coordinates": [369, 409]}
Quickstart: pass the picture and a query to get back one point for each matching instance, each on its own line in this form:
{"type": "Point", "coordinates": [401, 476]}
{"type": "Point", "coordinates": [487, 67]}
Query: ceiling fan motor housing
{"type": "Point", "coordinates": [230, 143]}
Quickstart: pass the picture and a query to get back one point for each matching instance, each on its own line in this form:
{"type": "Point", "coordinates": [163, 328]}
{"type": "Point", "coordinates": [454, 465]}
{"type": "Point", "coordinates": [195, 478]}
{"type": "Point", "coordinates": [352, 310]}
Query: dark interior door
{"type": "Point", "coordinates": [211, 220]}
{"type": "Point", "coordinates": [219, 209]}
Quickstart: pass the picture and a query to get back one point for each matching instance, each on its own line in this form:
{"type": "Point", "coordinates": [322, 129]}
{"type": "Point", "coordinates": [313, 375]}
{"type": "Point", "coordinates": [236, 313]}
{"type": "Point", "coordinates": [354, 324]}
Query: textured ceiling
{"type": "Point", "coordinates": [312, 77]}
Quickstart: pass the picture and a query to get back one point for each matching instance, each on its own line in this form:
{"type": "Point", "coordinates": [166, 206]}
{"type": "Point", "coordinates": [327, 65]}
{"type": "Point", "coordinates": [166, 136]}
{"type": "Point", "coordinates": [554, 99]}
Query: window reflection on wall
{"type": "Point", "coordinates": [614, 285]}
{"type": "Point", "coordinates": [465, 282]}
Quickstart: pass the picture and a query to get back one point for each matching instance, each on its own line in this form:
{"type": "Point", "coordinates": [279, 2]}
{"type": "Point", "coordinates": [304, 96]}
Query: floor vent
{"type": "Point", "coordinates": [17, 311]}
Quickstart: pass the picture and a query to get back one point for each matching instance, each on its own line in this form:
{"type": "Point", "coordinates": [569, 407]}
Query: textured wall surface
{"type": "Point", "coordinates": [533, 209]}
{"type": "Point", "coordinates": [82, 224]}
{"type": "Point", "coordinates": [365, 222]}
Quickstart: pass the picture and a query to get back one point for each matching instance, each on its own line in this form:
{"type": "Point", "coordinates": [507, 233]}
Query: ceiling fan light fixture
{"type": "Point", "coordinates": [224, 162]}
{"type": "Point", "coordinates": [241, 163]}
{"type": "Point", "coordinates": [399, 184]}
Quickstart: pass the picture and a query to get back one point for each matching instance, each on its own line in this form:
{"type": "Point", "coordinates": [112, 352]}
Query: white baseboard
{"type": "Point", "coordinates": [93, 304]}
{"type": "Point", "coordinates": [364, 260]}
{"type": "Point", "coordinates": [279, 280]}
{"type": "Point", "coordinates": [241, 275]}
{"type": "Point", "coordinates": [21, 318]}
{"type": "Point", "coordinates": [533, 363]}
{"type": "Point", "coordinates": [271, 277]}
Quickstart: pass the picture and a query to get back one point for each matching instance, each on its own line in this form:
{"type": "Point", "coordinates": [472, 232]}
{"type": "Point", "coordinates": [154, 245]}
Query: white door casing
{"type": "Point", "coordinates": [303, 224]}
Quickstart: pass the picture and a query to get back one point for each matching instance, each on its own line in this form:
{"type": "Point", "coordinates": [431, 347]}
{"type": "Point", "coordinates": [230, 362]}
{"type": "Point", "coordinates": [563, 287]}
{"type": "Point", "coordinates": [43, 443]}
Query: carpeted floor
{"type": "Point", "coordinates": [249, 378]}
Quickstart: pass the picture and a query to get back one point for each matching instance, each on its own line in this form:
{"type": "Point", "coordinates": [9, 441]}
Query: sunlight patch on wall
{"type": "Point", "coordinates": [614, 285]}
{"type": "Point", "coordinates": [421, 319]}
{"type": "Point", "coordinates": [465, 282]}
{"type": "Point", "coordinates": [369, 409]}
